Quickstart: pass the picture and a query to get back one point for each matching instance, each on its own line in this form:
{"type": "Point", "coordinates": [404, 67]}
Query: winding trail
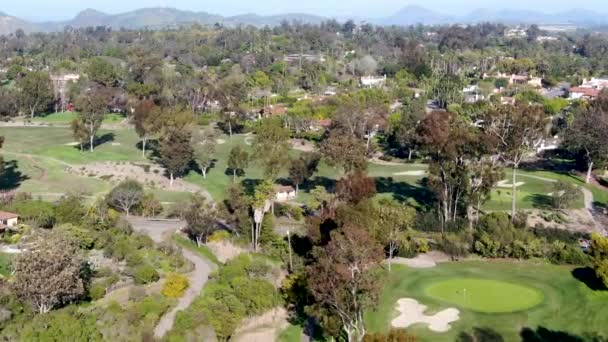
{"type": "Point", "coordinates": [160, 231]}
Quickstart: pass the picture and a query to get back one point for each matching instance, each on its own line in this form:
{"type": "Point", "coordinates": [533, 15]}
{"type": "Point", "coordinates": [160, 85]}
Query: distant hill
{"type": "Point", "coordinates": [413, 15]}
{"type": "Point", "coordinates": [156, 18]}
{"type": "Point", "coordinates": [152, 18]}
{"type": "Point", "coordinates": [10, 24]}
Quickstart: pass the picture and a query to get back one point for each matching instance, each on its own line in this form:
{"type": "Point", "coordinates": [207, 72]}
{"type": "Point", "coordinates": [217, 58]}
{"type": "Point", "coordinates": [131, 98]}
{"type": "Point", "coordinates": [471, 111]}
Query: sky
{"type": "Point", "coordinates": [40, 10]}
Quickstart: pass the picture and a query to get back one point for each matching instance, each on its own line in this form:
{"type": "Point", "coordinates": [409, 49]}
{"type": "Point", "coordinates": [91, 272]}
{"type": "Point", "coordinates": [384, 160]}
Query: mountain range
{"type": "Point", "coordinates": [156, 18]}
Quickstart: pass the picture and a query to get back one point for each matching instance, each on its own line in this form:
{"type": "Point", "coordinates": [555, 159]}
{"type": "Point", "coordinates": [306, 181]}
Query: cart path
{"type": "Point", "coordinates": [161, 231]}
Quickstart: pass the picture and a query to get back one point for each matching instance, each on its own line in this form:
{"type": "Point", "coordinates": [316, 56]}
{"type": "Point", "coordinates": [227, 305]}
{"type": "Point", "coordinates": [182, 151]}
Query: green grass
{"type": "Point", "coordinates": [485, 295]}
{"type": "Point", "coordinates": [568, 304]}
{"type": "Point", "coordinates": [5, 262]}
{"type": "Point", "coordinates": [204, 251]}
{"type": "Point", "coordinates": [293, 333]}
{"type": "Point", "coordinates": [66, 118]}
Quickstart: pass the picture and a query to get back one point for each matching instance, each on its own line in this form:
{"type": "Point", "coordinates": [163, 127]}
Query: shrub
{"type": "Point", "coordinates": [97, 291]}
{"type": "Point", "coordinates": [145, 274]}
{"type": "Point", "coordinates": [394, 335]}
{"type": "Point", "coordinates": [219, 236]}
{"type": "Point", "coordinates": [175, 285]}
{"type": "Point", "coordinates": [137, 293]}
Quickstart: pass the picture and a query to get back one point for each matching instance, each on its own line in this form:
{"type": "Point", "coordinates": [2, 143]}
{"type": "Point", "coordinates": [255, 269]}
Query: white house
{"type": "Point", "coordinates": [8, 220]}
{"type": "Point", "coordinates": [284, 193]}
{"type": "Point", "coordinates": [373, 81]}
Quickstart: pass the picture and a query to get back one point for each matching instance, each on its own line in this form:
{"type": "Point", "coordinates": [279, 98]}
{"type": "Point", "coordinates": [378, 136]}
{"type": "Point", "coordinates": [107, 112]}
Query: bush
{"type": "Point", "coordinates": [39, 213]}
{"type": "Point", "coordinates": [175, 285]}
{"type": "Point", "coordinates": [394, 335]}
{"type": "Point", "coordinates": [219, 236]}
{"type": "Point", "coordinates": [137, 293]}
{"type": "Point", "coordinates": [97, 291]}
{"type": "Point", "coordinates": [145, 274]}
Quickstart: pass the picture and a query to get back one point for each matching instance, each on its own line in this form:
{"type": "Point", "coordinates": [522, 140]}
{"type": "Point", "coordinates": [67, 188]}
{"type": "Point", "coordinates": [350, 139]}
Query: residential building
{"type": "Point", "coordinates": [8, 220]}
{"type": "Point", "coordinates": [284, 193]}
{"type": "Point", "coordinates": [373, 81]}
{"type": "Point", "coordinates": [577, 93]}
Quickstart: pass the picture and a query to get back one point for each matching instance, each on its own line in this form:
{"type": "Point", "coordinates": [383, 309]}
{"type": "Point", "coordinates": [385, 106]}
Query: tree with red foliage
{"type": "Point", "coordinates": [342, 280]}
{"type": "Point", "coordinates": [356, 187]}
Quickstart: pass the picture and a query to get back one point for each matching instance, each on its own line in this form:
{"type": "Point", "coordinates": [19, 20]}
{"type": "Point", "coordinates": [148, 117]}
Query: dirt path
{"type": "Point", "coordinates": [159, 231]}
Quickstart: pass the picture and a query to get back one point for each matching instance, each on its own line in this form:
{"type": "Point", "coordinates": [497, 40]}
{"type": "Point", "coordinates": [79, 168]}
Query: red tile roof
{"type": "Point", "coordinates": [7, 216]}
{"type": "Point", "coordinates": [324, 122]}
{"type": "Point", "coordinates": [588, 92]}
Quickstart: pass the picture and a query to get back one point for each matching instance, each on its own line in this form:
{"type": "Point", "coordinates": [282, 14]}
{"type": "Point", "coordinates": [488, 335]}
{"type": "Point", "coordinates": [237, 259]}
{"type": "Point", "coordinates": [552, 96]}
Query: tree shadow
{"type": "Point", "coordinates": [249, 185]}
{"type": "Point", "coordinates": [230, 172]}
{"type": "Point", "coordinates": [540, 201]}
{"type": "Point", "coordinates": [103, 139]}
{"type": "Point", "coordinates": [587, 276]}
{"type": "Point", "coordinates": [480, 335]}
{"type": "Point", "coordinates": [542, 334]}
{"type": "Point", "coordinates": [327, 183]}
{"type": "Point", "coordinates": [11, 178]}
{"type": "Point", "coordinates": [403, 191]}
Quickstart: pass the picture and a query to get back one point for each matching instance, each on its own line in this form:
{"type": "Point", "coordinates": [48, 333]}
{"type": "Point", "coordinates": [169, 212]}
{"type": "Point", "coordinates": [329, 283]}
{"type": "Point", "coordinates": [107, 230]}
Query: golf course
{"type": "Point", "coordinates": [509, 298]}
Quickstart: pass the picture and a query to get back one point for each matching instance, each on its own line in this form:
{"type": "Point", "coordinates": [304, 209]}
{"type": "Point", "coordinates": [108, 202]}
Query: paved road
{"type": "Point", "coordinates": [161, 231]}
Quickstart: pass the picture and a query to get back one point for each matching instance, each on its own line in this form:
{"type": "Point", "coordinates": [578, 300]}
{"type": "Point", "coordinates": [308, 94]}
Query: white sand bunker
{"type": "Point", "coordinates": [220, 141]}
{"type": "Point", "coordinates": [249, 141]}
{"type": "Point", "coordinates": [506, 184]}
{"type": "Point", "coordinates": [72, 144]}
{"type": "Point", "coordinates": [412, 312]}
{"type": "Point", "coordinates": [411, 173]}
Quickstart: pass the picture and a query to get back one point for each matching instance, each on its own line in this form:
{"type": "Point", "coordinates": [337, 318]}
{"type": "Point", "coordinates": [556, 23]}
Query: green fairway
{"type": "Point", "coordinates": [66, 118]}
{"type": "Point", "coordinates": [485, 295]}
{"type": "Point", "coordinates": [566, 305]}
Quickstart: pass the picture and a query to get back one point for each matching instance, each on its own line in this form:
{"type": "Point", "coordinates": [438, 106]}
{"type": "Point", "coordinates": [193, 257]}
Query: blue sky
{"type": "Point", "coordinates": [64, 9]}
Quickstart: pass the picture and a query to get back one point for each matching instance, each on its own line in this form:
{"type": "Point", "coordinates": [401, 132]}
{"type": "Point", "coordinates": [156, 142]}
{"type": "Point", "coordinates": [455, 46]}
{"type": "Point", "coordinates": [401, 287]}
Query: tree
{"type": "Point", "coordinates": [271, 147]}
{"type": "Point", "coordinates": [50, 273]}
{"type": "Point", "coordinates": [80, 132]}
{"type": "Point", "coordinates": [126, 195]}
{"type": "Point", "coordinates": [101, 71]}
{"type": "Point", "coordinates": [203, 145]}
{"type": "Point", "coordinates": [303, 167]}
{"type": "Point", "coordinates": [92, 107]}
{"type": "Point", "coordinates": [341, 279]}
{"type": "Point", "coordinates": [260, 205]}
{"type": "Point", "coordinates": [344, 150]}
{"type": "Point", "coordinates": [564, 194]}
{"type": "Point", "coordinates": [176, 152]}
{"type": "Point", "coordinates": [355, 187]}
{"type": "Point", "coordinates": [411, 115]}
{"type": "Point", "coordinates": [201, 217]}
{"type": "Point", "coordinates": [587, 135]}
{"type": "Point", "coordinates": [145, 119]}
{"type": "Point", "coordinates": [238, 160]}
{"type": "Point", "coordinates": [36, 92]}
{"type": "Point", "coordinates": [394, 220]}
{"type": "Point", "coordinates": [514, 132]}
{"type": "Point", "coordinates": [599, 253]}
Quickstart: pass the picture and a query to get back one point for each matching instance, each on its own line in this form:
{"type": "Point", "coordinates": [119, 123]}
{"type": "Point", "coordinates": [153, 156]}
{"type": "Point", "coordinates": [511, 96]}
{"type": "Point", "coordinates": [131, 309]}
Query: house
{"type": "Point", "coordinates": [577, 93]}
{"type": "Point", "coordinates": [274, 110]}
{"type": "Point", "coordinates": [373, 81]}
{"type": "Point", "coordinates": [548, 144]}
{"type": "Point", "coordinates": [60, 87]}
{"type": "Point", "coordinates": [8, 220]}
{"type": "Point", "coordinates": [298, 58]}
{"type": "Point", "coordinates": [284, 193]}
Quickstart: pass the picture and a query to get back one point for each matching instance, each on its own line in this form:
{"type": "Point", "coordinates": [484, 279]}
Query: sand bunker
{"type": "Point", "coordinates": [506, 184]}
{"type": "Point", "coordinates": [73, 144]}
{"type": "Point", "coordinates": [411, 173]}
{"type": "Point", "coordinates": [220, 141]}
{"type": "Point", "coordinates": [412, 312]}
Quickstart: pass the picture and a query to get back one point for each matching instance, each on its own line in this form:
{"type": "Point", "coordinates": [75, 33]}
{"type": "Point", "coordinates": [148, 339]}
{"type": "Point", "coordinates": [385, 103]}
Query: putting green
{"type": "Point", "coordinates": [484, 295]}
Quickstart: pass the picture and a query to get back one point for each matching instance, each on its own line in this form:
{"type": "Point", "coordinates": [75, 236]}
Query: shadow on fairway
{"type": "Point", "coordinates": [542, 334]}
{"type": "Point", "coordinates": [403, 191]}
{"type": "Point", "coordinates": [11, 176]}
{"type": "Point", "coordinates": [480, 334]}
{"type": "Point", "coordinates": [588, 277]}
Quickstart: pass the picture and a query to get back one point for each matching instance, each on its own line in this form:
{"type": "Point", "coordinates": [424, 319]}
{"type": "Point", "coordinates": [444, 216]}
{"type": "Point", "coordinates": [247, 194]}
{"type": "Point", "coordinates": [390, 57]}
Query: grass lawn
{"type": "Point", "coordinates": [5, 260]}
{"type": "Point", "coordinates": [293, 333]}
{"type": "Point", "coordinates": [485, 295]}
{"type": "Point", "coordinates": [66, 118]}
{"type": "Point", "coordinates": [567, 304]}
